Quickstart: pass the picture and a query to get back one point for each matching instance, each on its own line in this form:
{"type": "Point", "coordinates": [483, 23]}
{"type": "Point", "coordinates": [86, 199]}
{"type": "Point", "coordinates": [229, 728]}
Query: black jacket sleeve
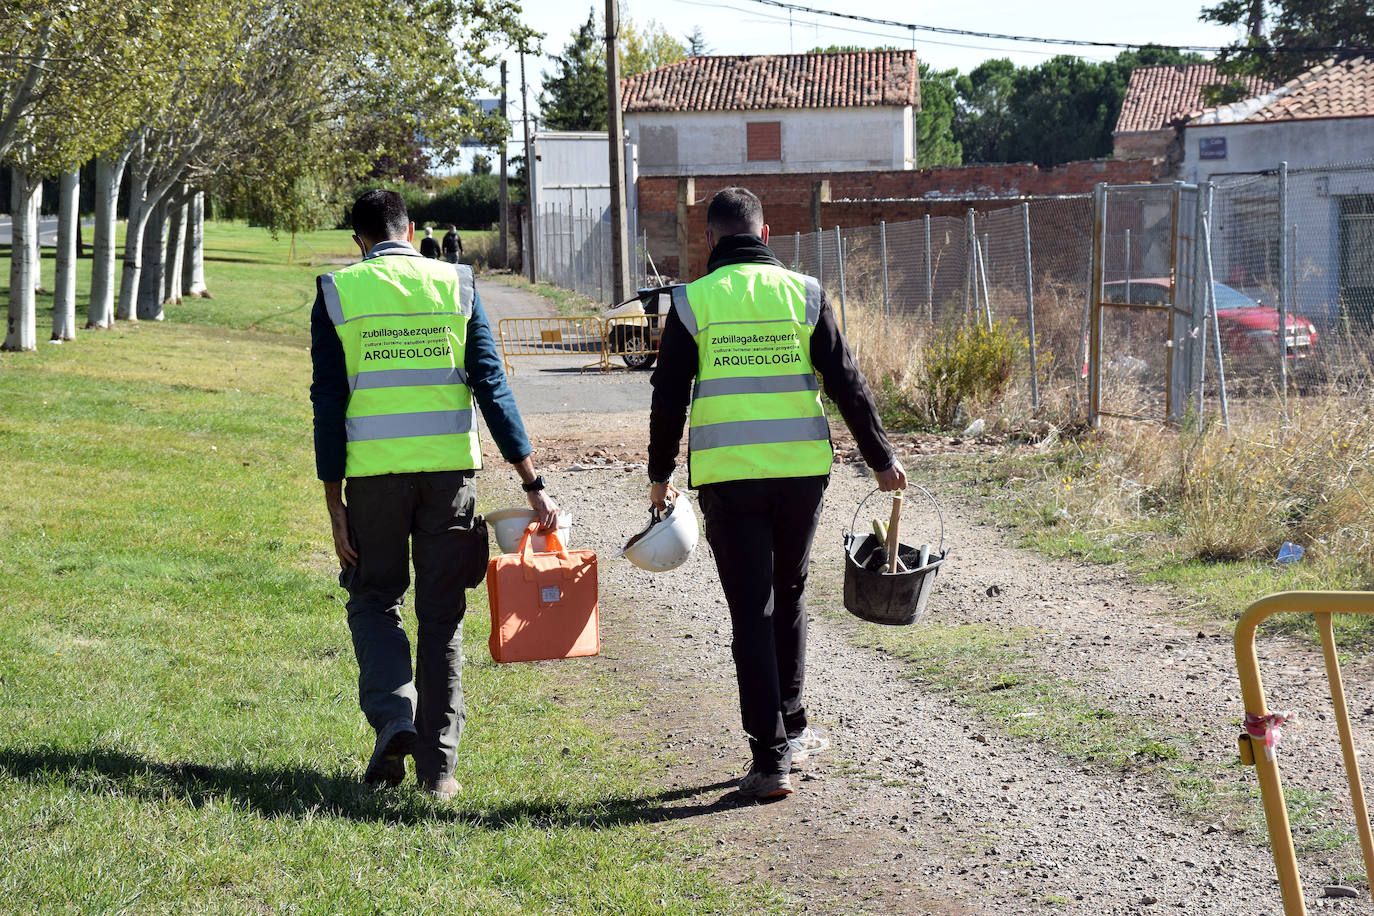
{"type": "Point", "coordinates": [328, 393]}
{"type": "Point", "coordinates": [672, 383]}
{"type": "Point", "coordinates": [847, 387]}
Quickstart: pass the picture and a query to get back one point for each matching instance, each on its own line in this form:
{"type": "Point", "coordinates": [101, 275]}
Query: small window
{"type": "Point", "coordinates": [764, 141]}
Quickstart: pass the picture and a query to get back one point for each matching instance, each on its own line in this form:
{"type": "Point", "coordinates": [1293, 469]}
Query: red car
{"type": "Point", "coordinates": [1249, 329]}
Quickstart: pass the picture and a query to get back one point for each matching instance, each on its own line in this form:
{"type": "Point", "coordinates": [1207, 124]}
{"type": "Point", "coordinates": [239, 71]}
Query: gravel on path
{"type": "Point", "coordinates": [920, 807]}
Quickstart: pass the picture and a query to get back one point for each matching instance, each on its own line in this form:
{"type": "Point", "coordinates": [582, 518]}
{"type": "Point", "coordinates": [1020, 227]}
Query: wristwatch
{"type": "Point", "coordinates": [534, 485]}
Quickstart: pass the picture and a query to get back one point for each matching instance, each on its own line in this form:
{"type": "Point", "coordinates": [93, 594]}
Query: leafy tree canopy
{"type": "Point", "coordinates": [647, 48]}
{"type": "Point", "coordinates": [574, 96]}
{"type": "Point", "coordinates": [1298, 24]}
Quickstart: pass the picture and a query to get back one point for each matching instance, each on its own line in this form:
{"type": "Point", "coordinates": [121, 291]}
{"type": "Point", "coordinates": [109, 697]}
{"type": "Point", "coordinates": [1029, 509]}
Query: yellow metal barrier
{"type": "Point", "coordinates": [1258, 743]}
{"type": "Point", "coordinates": [552, 337]}
{"type": "Point", "coordinates": [634, 339]}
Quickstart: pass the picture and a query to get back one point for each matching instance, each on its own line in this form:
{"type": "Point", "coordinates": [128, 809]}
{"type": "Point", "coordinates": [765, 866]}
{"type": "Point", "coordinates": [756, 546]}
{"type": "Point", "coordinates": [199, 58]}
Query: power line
{"type": "Point", "coordinates": [969, 33]}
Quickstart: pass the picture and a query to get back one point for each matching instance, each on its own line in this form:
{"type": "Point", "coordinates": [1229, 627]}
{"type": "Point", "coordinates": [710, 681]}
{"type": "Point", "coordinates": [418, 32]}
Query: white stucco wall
{"type": "Point", "coordinates": [1314, 194]}
{"type": "Point", "coordinates": [813, 140]}
{"type": "Point", "coordinates": [1255, 147]}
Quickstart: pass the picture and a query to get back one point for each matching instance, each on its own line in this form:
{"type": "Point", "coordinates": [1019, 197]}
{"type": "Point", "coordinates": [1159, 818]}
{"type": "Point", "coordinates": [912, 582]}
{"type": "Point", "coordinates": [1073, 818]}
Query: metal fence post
{"type": "Point", "coordinates": [1092, 315]}
{"type": "Point", "coordinates": [820, 256]}
{"type": "Point", "coordinates": [882, 241]}
{"type": "Point", "coordinates": [930, 276]}
{"type": "Point", "coordinates": [1284, 269]}
{"type": "Point", "coordinates": [1030, 309]}
{"type": "Point", "coordinates": [1206, 190]}
{"type": "Point", "coordinates": [1128, 265]}
{"type": "Point", "coordinates": [839, 253]}
{"type": "Point", "coordinates": [796, 251]}
{"type": "Point", "coordinates": [982, 268]}
{"type": "Point", "coordinates": [970, 250]}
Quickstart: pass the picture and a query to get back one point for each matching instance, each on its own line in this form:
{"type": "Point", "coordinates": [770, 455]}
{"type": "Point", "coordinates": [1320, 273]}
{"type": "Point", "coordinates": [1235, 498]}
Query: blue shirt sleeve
{"type": "Point", "coordinates": [328, 393]}
{"type": "Point", "coordinates": [487, 379]}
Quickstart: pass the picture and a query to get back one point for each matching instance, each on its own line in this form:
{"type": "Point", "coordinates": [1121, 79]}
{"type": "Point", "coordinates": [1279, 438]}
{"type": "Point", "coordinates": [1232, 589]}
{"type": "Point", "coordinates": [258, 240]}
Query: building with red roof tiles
{"type": "Point", "coordinates": [819, 112]}
{"type": "Point", "coordinates": [1323, 116]}
{"type": "Point", "coordinates": [1157, 99]}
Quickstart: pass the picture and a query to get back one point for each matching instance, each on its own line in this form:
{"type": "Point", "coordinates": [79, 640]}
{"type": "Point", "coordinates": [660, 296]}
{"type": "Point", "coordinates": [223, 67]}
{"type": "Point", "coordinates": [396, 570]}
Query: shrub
{"type": "Point", "coordinates": [967, 366]}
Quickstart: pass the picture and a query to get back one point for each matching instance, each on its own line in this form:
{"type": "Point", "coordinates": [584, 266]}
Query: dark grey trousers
{"type": "Point", "coordinates": [760, 532]}
{"type": "Point", "coordinates": [392, 519]}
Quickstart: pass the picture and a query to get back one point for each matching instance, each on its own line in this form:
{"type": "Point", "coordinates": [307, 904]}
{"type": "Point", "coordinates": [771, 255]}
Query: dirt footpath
{"type": "Point", "coordinates": [919, 807]}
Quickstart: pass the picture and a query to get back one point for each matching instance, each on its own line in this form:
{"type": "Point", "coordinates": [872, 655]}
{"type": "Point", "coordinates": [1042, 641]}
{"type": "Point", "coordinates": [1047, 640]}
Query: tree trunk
{"type": "Point", "coordinates": [193, 262]}
{"type": "Point", "coordinates": [37, 240]}
{"type": "Point", "coordinates": [64, 286]}
{"type": "Point", "coordinates": [21, 333]}
{"type": "Point", "coordinates": [176, 244]}
{"type": "Point", "coordinates": [108, 174]}
{"type": "Point", "coordinates": [133, 245]}
{"type": "Point", "coordinates": [154, 263]}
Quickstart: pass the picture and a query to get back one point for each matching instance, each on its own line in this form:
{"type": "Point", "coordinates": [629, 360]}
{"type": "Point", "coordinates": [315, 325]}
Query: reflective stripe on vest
{"type": "Point", "coordinates": [756, 409]}
{"type": "Point", "coordinates": [402, 322]}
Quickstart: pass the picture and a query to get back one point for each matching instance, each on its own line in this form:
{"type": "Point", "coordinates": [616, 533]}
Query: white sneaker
{"type": "Point", "coordinates": [758, 785]}
{"type": "Point", "coordinates": [807, 744]}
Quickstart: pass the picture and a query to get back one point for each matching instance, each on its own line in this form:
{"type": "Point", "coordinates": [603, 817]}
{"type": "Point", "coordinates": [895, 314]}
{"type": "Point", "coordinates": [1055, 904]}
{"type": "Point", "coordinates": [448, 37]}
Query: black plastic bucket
{"type": "Point", "coordinates": [896, 598]}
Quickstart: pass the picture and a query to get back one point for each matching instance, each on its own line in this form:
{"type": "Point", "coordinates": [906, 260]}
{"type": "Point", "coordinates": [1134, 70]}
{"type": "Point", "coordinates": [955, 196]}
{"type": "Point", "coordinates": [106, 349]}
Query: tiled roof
{"type": "Point", "coordinates": [1333, 89]}
{"type": "Point", "coordinates": [837, 80]}
{"type": "Point", "coordinates": [1158, 96]}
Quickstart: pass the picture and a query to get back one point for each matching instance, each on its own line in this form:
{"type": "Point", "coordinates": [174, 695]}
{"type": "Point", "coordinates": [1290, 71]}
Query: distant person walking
{"type": "Point", "coordinates": [742, 347]}
{"type": "Point", "coordinates": [453, 245]}
{"type": "Point", "coordinates": [401, 351]}
{"type": "Point", "coordinates": [429, 247]}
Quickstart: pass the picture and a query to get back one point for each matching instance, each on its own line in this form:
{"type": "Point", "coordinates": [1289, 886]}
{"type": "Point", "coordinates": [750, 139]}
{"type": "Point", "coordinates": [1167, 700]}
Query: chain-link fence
{"type": "Point", "coordinates": [1027, 263]}
{"type": "Point", "coordinates": [574, 249]}
{"type": "Point", "coordinates": [1244, 292]}
{"type": "Point", "coordinates": [1296, 243]}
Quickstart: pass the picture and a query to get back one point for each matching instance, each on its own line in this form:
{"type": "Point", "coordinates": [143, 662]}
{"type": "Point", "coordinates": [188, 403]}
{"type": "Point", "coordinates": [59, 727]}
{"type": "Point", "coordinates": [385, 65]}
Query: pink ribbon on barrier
{"type": "Point", "coordinates": [1267, 727]}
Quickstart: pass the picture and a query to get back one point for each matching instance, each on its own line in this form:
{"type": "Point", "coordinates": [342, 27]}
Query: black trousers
{"type": "Point", "coordinates": [761, 533]}
{"type": "Point", "coordinates": [392, 519]}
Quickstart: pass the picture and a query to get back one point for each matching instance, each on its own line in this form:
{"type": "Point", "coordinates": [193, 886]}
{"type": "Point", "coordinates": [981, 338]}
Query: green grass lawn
{"type": "Point", "coordinates": [178, 721]}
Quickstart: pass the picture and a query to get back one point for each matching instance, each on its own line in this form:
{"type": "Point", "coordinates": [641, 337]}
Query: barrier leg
{"type": "Point", "coordinates": [1266, 763]}
{"type": "Point", "coordinates": [1352, 764]}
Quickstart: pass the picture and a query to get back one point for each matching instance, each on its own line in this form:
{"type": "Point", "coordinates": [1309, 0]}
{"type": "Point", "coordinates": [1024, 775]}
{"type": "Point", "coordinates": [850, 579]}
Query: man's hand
{"type": "Point", "coordinates": [894, 478]}
{"type": "Point", "coordinates": [338, 523]}
{"type": "Point", "coordinates": [545, 508]}
{"type": "Point", "coordinates": [658, 494]}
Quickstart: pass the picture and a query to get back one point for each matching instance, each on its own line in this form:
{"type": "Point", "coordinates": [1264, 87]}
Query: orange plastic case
{"type": "Point", "coordinates": [543, 605]}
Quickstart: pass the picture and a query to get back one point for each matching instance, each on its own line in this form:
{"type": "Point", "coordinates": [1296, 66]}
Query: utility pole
{"type": "Point", "coordinates": [531, 214]}
{"type": "Point", "coordinates": [620, 242]}
{"type": "Point", "coordinates": [505, 196]}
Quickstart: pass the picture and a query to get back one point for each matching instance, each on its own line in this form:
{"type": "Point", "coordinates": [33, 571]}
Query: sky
{"type": "Point", "coordinates": [746, 27]}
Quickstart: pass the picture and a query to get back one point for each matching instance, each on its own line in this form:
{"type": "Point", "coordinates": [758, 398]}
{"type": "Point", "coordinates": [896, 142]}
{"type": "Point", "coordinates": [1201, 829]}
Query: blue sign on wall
{"type": "Point", "coordinates": [1211, 148]}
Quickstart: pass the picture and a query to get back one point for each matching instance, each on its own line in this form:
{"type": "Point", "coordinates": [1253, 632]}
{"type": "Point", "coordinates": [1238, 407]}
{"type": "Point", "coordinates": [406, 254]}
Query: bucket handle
{"type": "Point", "coordinates": [915, 486]}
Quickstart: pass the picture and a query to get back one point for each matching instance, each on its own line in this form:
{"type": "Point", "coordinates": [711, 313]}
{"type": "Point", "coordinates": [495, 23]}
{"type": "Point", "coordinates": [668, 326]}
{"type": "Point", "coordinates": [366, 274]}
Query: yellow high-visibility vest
{"type": "Point", "coordinates": [756, 409]}
{"type": "Point", "coordinates": [403, 324]}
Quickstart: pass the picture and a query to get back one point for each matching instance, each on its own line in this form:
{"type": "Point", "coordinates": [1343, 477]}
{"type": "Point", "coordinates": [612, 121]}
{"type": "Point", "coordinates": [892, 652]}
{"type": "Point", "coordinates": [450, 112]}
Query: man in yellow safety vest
{"type": "Point", "coordinates": [743, 347]}
{"type": "Point", "coordinates": [401, 350]}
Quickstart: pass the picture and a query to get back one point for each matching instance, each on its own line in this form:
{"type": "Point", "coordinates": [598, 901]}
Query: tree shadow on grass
{"type": "Point", "coordinates": [297, 792]}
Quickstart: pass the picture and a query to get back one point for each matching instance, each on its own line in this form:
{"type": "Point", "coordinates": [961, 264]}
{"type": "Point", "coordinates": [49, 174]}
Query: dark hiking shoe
{"type": "Point", "coordinates": [388, 763]}
{"type": "Point", "coordinates": [758, 786]}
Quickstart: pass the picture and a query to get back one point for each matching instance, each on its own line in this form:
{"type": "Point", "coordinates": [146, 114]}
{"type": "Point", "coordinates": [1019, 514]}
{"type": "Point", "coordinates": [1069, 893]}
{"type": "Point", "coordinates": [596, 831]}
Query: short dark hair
{"type": "Point", "coordinates": [380, 215]}
{"type": "Point", "coordinates": [734, 211]}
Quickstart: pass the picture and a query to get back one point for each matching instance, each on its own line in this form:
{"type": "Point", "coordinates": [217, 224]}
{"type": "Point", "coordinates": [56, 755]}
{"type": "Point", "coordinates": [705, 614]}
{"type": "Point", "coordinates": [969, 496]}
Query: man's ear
{"type": "Point", "coordinates": [358, 240]}
{"type": "Point", "coordinates": [765, 234]}
{"type": "Point", "coordinates": [410, 232]}
{"type": "Point", "coordinates": [710, 239]}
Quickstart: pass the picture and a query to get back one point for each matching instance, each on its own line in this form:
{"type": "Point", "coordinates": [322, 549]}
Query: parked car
{"type": "Point", "coordinates": [635, 326]}
{"type": "Point", "coordinates": [1249, 328]}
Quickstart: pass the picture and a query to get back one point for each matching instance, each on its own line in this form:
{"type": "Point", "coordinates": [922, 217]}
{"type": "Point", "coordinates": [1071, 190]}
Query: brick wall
{"type": "Point", "coordinates": [865, 198]}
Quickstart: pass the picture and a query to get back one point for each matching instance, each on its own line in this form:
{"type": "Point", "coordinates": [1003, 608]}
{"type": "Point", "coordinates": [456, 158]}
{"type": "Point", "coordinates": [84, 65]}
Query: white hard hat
{"type": "Point", "coordinates": [669, 539]}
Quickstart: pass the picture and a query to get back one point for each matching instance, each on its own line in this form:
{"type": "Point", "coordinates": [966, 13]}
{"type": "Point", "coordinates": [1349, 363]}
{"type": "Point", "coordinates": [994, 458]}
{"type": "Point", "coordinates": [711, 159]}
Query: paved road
{"type": "Point", "coordinates": [47, 230]}
{"type": "Point", "coordinates": [554, 384]}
